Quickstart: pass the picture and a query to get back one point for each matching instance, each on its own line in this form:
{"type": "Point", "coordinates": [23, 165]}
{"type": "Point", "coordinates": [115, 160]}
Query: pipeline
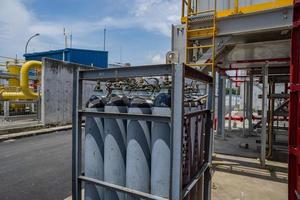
{"type": "Point", "coordinates": [26, 93]}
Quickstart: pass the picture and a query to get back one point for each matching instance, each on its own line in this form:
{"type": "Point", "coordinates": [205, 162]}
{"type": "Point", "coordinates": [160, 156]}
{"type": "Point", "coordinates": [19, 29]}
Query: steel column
{"type": "Point", "coordinates": [177, 129]}
{"type": "Point", "coordinates": [208, 156]}
{"type": "Point", "coordinates": [76, 136]}
{"type": "Point", "coordinates": [264, 116]}
{"type": "Point", "coordinates": [221, 106]}
{"type": "Point", "coordinates": [230, 105]}
{"type": "Point", "coordinates": [250, 104]}
{"type": "Point", "coordinates": [244, 108]}
{"type": "Point", "coordinates": [294, 108]}
{"type": "Point", "coordinates": [211, 107]}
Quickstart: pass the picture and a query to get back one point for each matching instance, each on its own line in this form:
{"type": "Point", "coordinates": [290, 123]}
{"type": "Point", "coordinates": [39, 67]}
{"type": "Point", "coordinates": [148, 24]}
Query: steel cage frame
{"type": "Point", "coordinates": [178, 74]}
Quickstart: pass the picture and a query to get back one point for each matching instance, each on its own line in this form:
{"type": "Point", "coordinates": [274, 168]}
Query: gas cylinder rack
{"type": "Point", "coordinates": [185, 172]}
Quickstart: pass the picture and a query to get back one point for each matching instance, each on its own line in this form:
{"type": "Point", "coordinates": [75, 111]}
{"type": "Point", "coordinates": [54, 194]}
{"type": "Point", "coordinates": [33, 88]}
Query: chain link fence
{"type": "Point", "coordinates": [15, 114]}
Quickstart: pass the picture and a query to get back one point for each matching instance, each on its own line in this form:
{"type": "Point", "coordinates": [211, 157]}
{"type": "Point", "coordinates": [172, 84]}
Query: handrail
{"type": "Point", "coordinates": [238, 9]}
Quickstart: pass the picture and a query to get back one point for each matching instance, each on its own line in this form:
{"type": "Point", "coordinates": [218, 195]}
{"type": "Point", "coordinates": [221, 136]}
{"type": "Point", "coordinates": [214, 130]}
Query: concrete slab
{"type": "Point", "coordinates": [231, 144]}
{"type": "Point", "coordinates": [247, 181]}
{"type": "Point", "coordinates": [34, 132]}
{"type": "Point", "coordinates": [19, 126]}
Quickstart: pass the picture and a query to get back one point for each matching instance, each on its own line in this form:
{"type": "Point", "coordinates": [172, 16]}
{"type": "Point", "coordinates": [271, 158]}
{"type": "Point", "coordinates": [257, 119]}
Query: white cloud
{"type": "Point", "coordinates": [157, 59]}
{"type": "Point", "coordinates": [17, 24]}
{"type": "Point", "coordinates": [14, 21]}
{"type": "Point", "coordinates": [156, 15]}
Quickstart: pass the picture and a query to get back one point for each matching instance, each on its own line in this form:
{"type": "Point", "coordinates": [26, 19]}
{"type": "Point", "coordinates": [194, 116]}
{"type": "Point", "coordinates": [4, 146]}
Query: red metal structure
{"type": "Point", "coordinates": [294, 112]}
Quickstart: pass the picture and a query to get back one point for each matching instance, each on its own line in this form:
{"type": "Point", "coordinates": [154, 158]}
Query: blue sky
{"type": "Point", "coordinates": [138, 31]}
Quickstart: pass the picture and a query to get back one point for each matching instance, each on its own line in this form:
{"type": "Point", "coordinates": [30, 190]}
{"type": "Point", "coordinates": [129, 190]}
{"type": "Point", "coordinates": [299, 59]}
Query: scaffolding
{"type": "Point", "coordinates": [250, 49]}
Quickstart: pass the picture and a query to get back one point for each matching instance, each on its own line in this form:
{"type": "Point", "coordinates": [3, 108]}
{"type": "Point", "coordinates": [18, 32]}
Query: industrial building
{"type": "Point", "coordinates": [230, 85]}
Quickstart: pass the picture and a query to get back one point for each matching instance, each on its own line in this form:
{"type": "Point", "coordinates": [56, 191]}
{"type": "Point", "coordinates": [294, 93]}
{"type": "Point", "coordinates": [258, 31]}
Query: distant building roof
{"type": "Point", "coordinates": [81, 56]}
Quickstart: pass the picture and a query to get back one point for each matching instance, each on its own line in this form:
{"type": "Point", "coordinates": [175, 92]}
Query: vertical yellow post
{"type": "Point", "coordinates": [182, 9]}
{"type": "Point", "coordinates": [236, 6]}
{"type": "Point", "coordinates": [189, 8]}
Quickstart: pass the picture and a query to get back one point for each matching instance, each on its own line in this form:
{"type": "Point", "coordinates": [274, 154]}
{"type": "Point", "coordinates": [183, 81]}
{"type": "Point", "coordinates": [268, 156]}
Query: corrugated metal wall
{"type": "Point", "coordinates": [80, 56]}
{"type": "Point", "coordinates": [88, 57]}
{"type": "Point", "coordinates": [37, 56]}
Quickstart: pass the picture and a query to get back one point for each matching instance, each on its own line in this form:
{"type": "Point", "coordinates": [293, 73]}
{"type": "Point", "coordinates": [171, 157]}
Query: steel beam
{"type": "Point", "coordinates": [122, 189]}
{"type": "Point", "coordinates": [126, 72]}
{"type": "Point", "coordinates": [277, 19]}
{"type": "Point", "coordinates": [194, 74]}
{"type": "Point", "coordinates": [274, 70]}
{"type": "Point", "coordinates": [194, 114]}
{"type": "Point", "coordinates": [142, 117]}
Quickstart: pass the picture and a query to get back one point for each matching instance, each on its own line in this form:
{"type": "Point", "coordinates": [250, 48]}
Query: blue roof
{"type": "Point", "coordinates": [81, 56]}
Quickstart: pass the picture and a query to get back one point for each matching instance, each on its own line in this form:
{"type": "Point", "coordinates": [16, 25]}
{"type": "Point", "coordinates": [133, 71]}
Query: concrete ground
{"type": "Point", "coordinates": [245, 180]}
{"type": "Point", "coordinates": [39, 167]}
{"type": "Point", "coordinates": [36, 167]}
{"type": "Point", "coordinates": [231, 144]}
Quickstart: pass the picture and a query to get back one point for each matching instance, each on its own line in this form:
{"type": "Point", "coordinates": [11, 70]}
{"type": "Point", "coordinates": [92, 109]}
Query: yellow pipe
{"type": "Point", "coordinates": [25, 78]}
{"type": "Point", "coordinates": [13, 69]}
{"type": "Point", "coordinates": [26, 93]}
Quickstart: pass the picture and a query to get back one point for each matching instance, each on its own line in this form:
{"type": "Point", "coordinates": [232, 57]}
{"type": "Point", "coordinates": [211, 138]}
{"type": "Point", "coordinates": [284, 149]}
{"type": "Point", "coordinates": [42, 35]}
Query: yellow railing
{"type": "Point", "coordinates": [190, 7]}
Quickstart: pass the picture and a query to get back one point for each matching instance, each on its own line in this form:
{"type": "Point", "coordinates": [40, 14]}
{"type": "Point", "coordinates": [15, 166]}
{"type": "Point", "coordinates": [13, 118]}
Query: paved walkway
{"type": "Point", "coordinates": [247, 181]}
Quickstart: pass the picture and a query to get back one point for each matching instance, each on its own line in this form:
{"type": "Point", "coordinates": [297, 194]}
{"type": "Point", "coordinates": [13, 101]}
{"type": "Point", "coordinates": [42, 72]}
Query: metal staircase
{"type": "Point", "coordinates": [200, 36]}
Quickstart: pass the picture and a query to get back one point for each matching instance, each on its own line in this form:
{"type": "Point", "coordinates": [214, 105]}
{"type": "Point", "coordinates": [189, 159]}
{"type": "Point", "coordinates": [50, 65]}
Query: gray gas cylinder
{"type": "Point", "coordinates": [160, 147]}
{"type": "Point", "coordinates": [94, 148]}
{"type": "Point", "coordinates": [115, 146]}
{"type": "Point", "coordinates": [138, 148]}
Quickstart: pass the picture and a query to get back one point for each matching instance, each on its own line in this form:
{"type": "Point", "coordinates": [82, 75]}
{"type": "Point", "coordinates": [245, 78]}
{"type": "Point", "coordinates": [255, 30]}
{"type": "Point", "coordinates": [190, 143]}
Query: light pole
{"type": "Point", "coordinates": [35, 35]}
